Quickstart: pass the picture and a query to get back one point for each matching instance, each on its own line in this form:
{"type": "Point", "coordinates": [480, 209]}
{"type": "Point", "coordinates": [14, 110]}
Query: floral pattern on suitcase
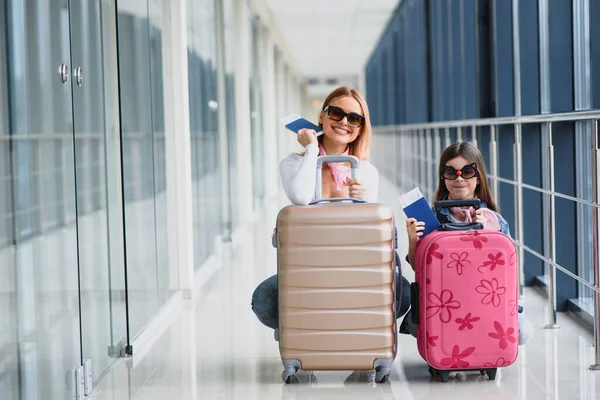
{"type": "Point", "coordinates": [468, 291]}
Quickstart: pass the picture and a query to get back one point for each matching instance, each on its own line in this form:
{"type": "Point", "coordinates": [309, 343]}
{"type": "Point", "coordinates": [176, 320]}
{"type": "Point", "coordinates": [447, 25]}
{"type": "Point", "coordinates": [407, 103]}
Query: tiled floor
{"type": "Point", "coordinates": [216, 349]}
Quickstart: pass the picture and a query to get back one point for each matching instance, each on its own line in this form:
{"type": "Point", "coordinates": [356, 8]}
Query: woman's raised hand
{"type": "Point", "coordinates": [306, 137]}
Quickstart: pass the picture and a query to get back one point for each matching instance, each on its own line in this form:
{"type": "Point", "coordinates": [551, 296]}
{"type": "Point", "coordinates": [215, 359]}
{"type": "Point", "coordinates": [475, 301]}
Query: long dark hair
{"type": "Point", "coordinates": [472, 155]}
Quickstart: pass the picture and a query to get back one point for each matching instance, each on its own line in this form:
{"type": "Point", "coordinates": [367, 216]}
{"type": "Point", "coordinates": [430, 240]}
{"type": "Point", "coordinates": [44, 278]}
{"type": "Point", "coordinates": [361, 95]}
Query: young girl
{"type": "Point", "coordinates": [461, 175]}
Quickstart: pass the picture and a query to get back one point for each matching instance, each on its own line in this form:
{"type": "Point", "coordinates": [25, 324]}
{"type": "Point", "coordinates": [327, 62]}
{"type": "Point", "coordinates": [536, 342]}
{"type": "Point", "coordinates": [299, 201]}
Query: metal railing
{"type": "Point", "coordinates": [416, 165]}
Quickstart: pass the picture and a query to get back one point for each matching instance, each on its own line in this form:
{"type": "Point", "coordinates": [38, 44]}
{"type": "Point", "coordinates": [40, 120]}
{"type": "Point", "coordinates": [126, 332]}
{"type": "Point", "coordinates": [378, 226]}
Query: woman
{"type": "Point", "coordinates": [346, 126]}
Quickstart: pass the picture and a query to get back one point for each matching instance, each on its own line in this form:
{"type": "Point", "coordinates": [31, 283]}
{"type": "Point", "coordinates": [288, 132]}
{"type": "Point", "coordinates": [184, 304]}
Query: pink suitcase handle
{"type": "Point", "coordinates": [461, 226]}
{"type": "Point", "coordinates": [475, 203]}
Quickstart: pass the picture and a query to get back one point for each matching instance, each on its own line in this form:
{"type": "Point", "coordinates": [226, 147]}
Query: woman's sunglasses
{"type": "Point", "coordinates": [337, 114]}
{"type": "Point", "coordinates": [467, 172]}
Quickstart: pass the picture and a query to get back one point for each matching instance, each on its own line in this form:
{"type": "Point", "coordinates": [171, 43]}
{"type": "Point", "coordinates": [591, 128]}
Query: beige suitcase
{"type": "Point", "coordinates": [336, 277]}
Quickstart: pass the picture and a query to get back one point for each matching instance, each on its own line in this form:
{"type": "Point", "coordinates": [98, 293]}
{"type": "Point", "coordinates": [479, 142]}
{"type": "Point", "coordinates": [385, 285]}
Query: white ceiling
{"type": "Point", "coordinates": [331, 38]}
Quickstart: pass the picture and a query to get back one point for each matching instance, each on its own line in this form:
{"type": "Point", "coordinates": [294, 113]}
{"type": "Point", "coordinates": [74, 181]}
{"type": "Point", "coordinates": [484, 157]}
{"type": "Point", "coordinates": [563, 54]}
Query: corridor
{"type": "Point", "coordinates": [140, 150]}
{"type": "Point", "coordinates": [217, 349]}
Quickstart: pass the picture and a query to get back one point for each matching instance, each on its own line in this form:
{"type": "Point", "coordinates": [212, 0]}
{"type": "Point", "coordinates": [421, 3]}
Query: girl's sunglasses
{"type": "Point", "coordinates": [337, 114]}
{"type": "Point", "coordinates": [467, 172]}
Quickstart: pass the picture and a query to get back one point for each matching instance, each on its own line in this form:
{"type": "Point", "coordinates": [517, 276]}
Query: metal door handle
{"type": "Point", "coordinates": [63, 73]}
{"type": "Point", "coordinates": [78, 76]}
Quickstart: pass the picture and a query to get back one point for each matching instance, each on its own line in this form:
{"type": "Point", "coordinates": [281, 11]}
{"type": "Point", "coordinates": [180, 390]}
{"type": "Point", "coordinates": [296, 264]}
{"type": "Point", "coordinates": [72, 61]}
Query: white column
{"type": "Point", "coordinates": [270, 116]}
{"type": "Point", "coordinates": [177, 142]}
{"type": "Point", "coordinates": [242, 102]}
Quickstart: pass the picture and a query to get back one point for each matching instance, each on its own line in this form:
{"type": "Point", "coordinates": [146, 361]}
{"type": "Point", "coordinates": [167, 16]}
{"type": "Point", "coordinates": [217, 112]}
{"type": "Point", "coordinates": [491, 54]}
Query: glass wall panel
{"type": "Point", "coordinates": [583, 139]}
{"type": "Point", "coordinates": [256, 113]}
{"type": "Point", "coordinates": [5, 154]}
{"type": "Point", "coordinates": [9, 369]}
{"type": "Point", "coordinates": [61, 213]}
{"type": "Point", "coordinates": [157, 26]}
{"type": "Point", "coordinates": [202, 82]}
{"type": "Point", "coordinates": [142, 135]}
{"type": "Point", "coordinates": [114, 189]}
{"type": "Point", "coordinates": [230, 50]}
{"type": "Point", "coordinates": [39, 297]}
{"type": "Point", "coordinates": [94, 127]}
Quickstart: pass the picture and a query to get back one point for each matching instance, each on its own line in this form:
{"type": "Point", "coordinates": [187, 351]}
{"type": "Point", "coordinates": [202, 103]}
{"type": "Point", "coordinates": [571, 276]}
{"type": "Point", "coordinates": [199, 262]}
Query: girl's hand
{"type": "Point", "coordinates": [356, 189]}
{"type": "Point", "coordinates": [306, 137]}
{"type": "Point", "coordinates": [415, 229]}
{"type": "Point", "coordinates": [477, 216]}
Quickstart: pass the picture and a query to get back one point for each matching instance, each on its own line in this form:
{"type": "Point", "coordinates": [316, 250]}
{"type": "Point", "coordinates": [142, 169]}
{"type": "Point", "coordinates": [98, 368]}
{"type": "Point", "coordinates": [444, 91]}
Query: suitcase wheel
{"type": "Point", "coordinates": [444, 375]}
{"type": "Point", "coordinates": [432, 372]}
{"type": "Point", "coordinates": [491, 373]}
{"type": "Point", "coordinates": [288, 374]}
{"type": "Point", "coordinates": [382, 374]}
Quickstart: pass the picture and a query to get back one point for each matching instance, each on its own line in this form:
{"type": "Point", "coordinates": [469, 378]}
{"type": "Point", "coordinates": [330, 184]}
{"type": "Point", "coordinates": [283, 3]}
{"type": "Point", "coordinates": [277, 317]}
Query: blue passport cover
{"type": "Point", "coordinates": [302, 123]}
{"type": "Point", "coordinates": [421, 211]}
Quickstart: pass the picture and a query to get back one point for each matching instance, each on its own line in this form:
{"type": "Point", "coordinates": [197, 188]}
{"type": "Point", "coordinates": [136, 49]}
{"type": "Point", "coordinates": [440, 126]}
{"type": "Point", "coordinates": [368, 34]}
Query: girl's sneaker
{"type": "Point", "coordinates": [525, 328]}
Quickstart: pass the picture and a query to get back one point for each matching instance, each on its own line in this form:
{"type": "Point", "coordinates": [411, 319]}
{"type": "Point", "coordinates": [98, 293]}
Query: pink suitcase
{"type": "Point", "coordinates": [464, 300]}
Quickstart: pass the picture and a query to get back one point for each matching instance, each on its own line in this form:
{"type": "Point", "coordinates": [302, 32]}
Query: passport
{"type": "Point", "coordinates": [294, 123]}
{"type": "Point", "coordinates": [415, 206]}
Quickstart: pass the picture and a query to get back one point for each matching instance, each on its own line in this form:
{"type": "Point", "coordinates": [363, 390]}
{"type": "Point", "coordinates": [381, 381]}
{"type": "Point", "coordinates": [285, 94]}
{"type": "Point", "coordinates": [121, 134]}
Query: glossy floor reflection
{"type": "Point", "coordinates": [216, 349]}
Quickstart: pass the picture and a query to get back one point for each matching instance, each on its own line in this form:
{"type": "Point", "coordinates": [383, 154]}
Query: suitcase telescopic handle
{"type": "Point", "coordinates": [352, 199]}
{"type": "Point", "coordinates": [461, 226]}
{"type": "Point", "coordinates": [465, 226]}
{"type": "Point", "coordinates": [475, 203]}
{"type": "Point", "coordinates": [414, 303]}
{"type": "Point", "coordinates": [335, 158]}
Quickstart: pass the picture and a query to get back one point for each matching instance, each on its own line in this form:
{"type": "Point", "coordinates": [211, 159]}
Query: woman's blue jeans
{"type": "Point", "coordinates": [265, 300]}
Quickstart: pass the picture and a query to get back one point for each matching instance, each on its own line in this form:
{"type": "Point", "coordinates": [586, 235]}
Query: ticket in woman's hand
{"type": "Point", "coordinates": [294, 123]}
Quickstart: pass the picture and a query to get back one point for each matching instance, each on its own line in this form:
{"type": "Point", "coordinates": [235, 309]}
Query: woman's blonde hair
{"type": "Point", "coordinates": [361, 146]}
